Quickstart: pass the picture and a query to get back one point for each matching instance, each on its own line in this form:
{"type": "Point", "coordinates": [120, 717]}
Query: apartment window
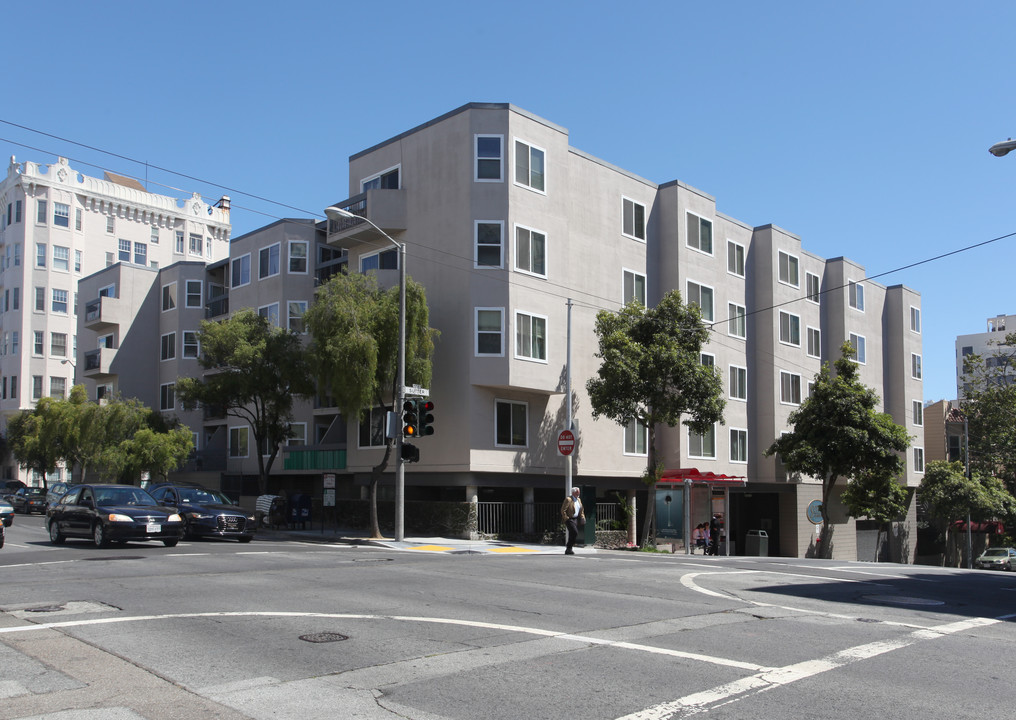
{"type": "Point", "coordinates": [17, 211]}
{"type": "Point", "coordinates": [707, 359]}
{"type": "Point", "coordinates": [14, 387]}
{"type": "Point", "coordinates": [77, 261]}
{"type": "Point", "coordinates": [529, 166]}
{"type": "Point", "coordinates": [58, 344]}
{"type": "Point", "coordinates": [17, 255]}
{"type": "Point", "coordinates": [109, 259]}
{"type": "Point", "coordinates": [738, 383]}
{"type": "Point", "coordinates": [700, 234]}
{"type": "Point", "coordinates": [811, 283]}
{"type": "Point", "coordinates": [59, 301]}
{"type": "Point", "coordinates": [240, 274]}
{"type": "Point", "coordinates": [702, 296]}
{"type": "Point", "coordinates": [268, 261]}
{"type": "Point", "coordinates": [195, 244]}
{"type": "Point", "coordinates": [918, 460]}
{"type": "Point", "coordinates": [298, 434]}
{"type": "Point", "coordinates": [790, 388]}
{"type": "Point", "coordinates": [40, 215]}
{"type": "Point", "coordinates": [735, 258]}
{"type": "Point", "coordinates": [510, 423]}
{"type": "Point", "coordinates": [736, 321]}
{"type": "Point", "coordinates": [790, 329]}
{"type": "Point", "coordinates": [788, 269]}
{"type": "Point", "coordinates": [633, 219]}
{"type": "Point", "coordinates": [108, 291]}
{"type": "Point", "coordinates": [168, 346]}
{"type": "Point", "coordinates": [298, 256]}
{"type": "Point", "coordinates": [77, 219]}
{"type": "Point", "coordinates": [702, 445]}
{"type": "Point", "coordinates": [295, 310]}
{"type": "Point", "coordinates": [382, 260]}
{"type": "Point", "coordinates": [40, 299]}
{"type": "Point", "coordinates": [530, 336]}
{"type": "Point", "coordinates": [489, 158]}
{"type": "Point", "coordinates": [124, 250]}
{"type": "Point", "coordinates": [915, 366]}
{"type": "Point", "coordinates": [488, 243]}
{"type": "Point", "coordinates": [40, 255]}
{"type": "Point", "coordinates": [636, 438]}
{"type": "Point", "coordinates": [918, 413]}
{"type": "Point", "coordinates": [168, 297]}
{"type": "Point", "coordinates": [191, 348]}
{"type": "Point", "coordinates": [106, 341]}
{"type": "Point", "coordinates": [193, 299]}
{"type": "Point", "coordinates": [61, 214]}
{"type": "Point", "coordinates": [633, 287]}
{"type": "Point", "coordinates": [489, 331]}
{"type": "Point", "coordinates": [154, 237]}
{"type": "Point", "coordinates": [915, 319]}
{"type": "Point", "coordinates": [738, 445]}
{"type": "Point", "coordinates": [530, 251]}
{"type": "Point", "coordinates": [15, 343]}
{"type": "Point", "coordinates": [238, 442]}
{"type": "Point", "coordinates": [814, 342]}
{"type": "Point", "coordinates": [140, 253]}
{"type": "Point", "coordinates": [40, 342]}
{"type": "Point", "coordinates": [208, 247]}
{"type": "Point", "coordinates": [110, 224]}
{"type": "Point", "coordinates": [387, 180]}
{"type": "Point", "coordinates": [270, 313]}
{"type": "Point", "coordinates": [372, 429]}
{"type": "Point", "coordinates": [856, 291]}
{"type": "Point", "coordinates": [167, 396]}
{"type": "Point", "coordinates": [57, 387]}
{"type": "Point", "coordinates": [860, 346]}
{"type": "Point", "coordinates": [36, 387]}
{"type": "Point", "coordinates": [178, 247]}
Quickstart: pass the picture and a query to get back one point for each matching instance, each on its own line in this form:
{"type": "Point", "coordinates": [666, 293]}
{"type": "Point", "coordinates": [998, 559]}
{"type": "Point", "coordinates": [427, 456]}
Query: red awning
{"type": "Point", "coordinates": [993, 526]}
{"type": "Point", "coordinates": [710, 478]}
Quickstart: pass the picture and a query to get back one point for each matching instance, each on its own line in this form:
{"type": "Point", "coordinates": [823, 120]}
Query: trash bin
{"type": "Point", "coordinates": [757, 543]}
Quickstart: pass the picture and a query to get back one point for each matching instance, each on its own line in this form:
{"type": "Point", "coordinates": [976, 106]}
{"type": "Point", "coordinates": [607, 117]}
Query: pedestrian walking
{"type": "Point", "coordinates": [714, 535]}
{"type": "Point", "coordinates": [574, 517]}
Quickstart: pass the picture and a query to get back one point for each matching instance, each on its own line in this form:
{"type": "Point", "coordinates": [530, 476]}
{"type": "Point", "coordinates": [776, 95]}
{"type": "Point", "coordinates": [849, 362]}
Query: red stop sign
{"type": "Point", "coordinates": [566, 442]}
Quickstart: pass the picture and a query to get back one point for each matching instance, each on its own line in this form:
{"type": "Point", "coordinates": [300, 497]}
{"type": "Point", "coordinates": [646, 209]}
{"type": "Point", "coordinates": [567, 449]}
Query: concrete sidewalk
{"type": "Point", "coordinates": [452, 546]}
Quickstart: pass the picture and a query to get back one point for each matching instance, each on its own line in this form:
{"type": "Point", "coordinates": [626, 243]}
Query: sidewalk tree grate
{"type": "Point", "coordinates": [325, 637]}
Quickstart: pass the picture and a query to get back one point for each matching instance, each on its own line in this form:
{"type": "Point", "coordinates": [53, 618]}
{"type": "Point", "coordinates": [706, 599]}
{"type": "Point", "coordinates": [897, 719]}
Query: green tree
{"type": "Point", "coordinates": [354, 325]}
{"type": "Point", "coordinates": [839, 433]}
{"type": "Point", "coordinates": [989, 406]}
{"type": "Point", "coordinates": [255, 370]}
{"type": "Point", "coordinates": [651, 371]}
{"type": "Point", "coordinates": [877, 497]}
{"type": "Point", "coordinates": [32, 436]}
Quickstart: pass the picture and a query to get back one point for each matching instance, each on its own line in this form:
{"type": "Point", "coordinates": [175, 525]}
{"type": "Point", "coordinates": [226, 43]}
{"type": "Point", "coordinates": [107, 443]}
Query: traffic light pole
{"type": "Point", "coordinates": [400, 465]}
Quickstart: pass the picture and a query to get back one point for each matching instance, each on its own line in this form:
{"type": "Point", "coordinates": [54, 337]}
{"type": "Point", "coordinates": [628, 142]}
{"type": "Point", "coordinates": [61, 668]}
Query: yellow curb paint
{"type": "Point", "coordinates": [431, 548]}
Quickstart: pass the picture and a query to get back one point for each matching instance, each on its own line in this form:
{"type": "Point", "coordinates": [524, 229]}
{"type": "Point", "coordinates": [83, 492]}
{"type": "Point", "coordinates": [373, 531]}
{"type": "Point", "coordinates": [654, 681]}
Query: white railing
{"type": "Point", "coordinates": [499, 518]}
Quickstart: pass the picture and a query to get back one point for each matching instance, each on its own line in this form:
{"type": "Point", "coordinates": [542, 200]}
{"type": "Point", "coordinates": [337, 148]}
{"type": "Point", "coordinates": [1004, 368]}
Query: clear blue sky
{"type": "Point", "coordinates": [862, 127]}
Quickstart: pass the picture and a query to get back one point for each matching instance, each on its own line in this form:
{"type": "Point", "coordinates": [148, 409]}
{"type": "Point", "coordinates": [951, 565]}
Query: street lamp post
{"type": "Point", "coordinates": [400, 466]}
{"type": "Point", "coordinates": [1003, 148]}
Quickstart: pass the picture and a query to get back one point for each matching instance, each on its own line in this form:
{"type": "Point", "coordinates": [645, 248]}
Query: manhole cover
{"type": "Point", "coordinates": [45, 609]}
{"type": "Point", "coordinates": [325, 637]}
{"type": "Point", "coordinates": [903, 600]}
{"type": "Point", "coordinates": [118, 557]}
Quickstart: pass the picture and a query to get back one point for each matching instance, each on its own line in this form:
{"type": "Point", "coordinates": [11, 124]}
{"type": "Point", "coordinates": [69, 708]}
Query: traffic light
{"type": "Point", "coordinates": [410, 419]}
{"type": "Point", "coordinates": [410, 453]}
{"type": "Point", "coordinates": [425, 409]}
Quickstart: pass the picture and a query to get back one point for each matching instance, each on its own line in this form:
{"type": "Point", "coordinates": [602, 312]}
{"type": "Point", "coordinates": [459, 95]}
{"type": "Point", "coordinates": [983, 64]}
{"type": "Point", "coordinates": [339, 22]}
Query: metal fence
{"type": "Point", "coordinates": [500, 518]}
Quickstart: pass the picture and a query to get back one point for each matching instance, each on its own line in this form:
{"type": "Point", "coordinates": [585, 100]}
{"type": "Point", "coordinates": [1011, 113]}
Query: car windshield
{"type": "Point", "coordinates": [123, 496]}
{"type": "Point", "coordinates": [200, 496]}
{"type": "Point", "coordinates": [35, 491]}
{"type": "Point", "coordinates": [996, 552]}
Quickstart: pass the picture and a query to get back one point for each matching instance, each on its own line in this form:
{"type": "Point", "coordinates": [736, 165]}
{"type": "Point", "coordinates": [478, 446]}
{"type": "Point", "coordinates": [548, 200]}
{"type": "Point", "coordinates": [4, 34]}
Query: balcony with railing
{"type": "Point", "coordinates": [217, 306]}
{"type": "Point", "coordinates": [105, 313]}
{"type": "Point", "coordinates": [385, 208]}
{"type": "Point", "coordinates": [98, 364]}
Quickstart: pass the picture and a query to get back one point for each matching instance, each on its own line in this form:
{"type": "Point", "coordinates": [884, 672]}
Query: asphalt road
{"type": "Point", "coordinates": [282, 628]}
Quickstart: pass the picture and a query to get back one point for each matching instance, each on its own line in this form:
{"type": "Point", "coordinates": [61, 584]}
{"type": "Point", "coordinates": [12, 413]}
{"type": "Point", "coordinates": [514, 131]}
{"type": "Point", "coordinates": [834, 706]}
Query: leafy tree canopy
{"type": "Point", "coordinates": [948, 494]}
{"type": "Point", "coordinates": [990, 408]}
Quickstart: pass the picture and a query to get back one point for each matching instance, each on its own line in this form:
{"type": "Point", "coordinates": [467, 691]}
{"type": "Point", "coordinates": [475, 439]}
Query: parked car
{"type": "Point", "coordinates": [55, 491]}
{"type": "Point", "coordinates": [206, 512]}
{"type": "Point", "coordinates": [9, 487]}
{"type": "Point", "coordinates": [996, 558]}
{"type": "Point", "coordinates": [6, 513]}
{"type": "Point", "coordinates": [29, 500]}
{"type": "Point", "coordinates": [112, 513]}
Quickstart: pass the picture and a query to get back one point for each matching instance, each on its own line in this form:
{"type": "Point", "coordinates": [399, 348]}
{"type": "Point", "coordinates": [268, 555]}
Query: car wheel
{"type": "Point", "coordinates": [1, 540]}
{"type": "Point", "coordinates": [99, 535]}
{"type": "Point", "coordinates": [55, 536]}
{"type": "Point", "coordinates": [245, 539]}
{"type": "Point", "coordinates": [170, 543]}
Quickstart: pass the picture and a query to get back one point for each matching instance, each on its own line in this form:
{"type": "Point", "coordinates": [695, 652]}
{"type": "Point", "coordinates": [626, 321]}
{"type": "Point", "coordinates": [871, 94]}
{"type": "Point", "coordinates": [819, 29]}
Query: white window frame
{"type": "Point", "coordinates": [633, 437]}
{"type": "Point", "coordinates": [40, 255]}
{"type": "Point", "coordinates": [915, 319]}
{"type": "Point", "coordinates": [523, 319]}
{"type": "Point", "coordinates": [513, 404]}
{"type": "Point", "coordinates": [737, 382]}
{"type": "Point", "coordinates": [530, 148]}
{"type": "Point", "coordinates": [487, 159]}
{"type": "Point", "coordinates": [919, 460]}
{"type": "Point", "coordinates": [792, 261]}
{"type": "Point", "coordinates": [815, 296]}
{"type": "Point", "coordinates": [700, 439]}
{"type": "Point", "coordinates": [635, 277]}
{"type": "Point", "coordinates": [377, 254]}
{"type": "Point", "coordinates": [240, 262]}
{"type": "Point", "coordinates": [817, 344]}
{"type": "Point", "coordinates": [712, 299]}
{"type": "Point", "coordinates": [855, 295]}
{"type": "Point", "coordinates": [141, 253]}
{"type": "Point", "coordinates": [269, 252]}
{"type": "Point", "coordinates": [189, 293]}
{"type": "Point", "coordinates": [61, 258]}
{"type": "Point", "coordinates": [167, 391]}
{"type": "Point", "coordinates": [739, 256]}
{"type": "Point", "coordinates": [190, 340]}
{"type": "Point", "coordinates": [860, 344]}
{"type": "Point", "coordinates": [61, 210]}
{"type": "Point", "coordinates": [788, 324]}
{"type": "Point", "coordinates": [531, 232]}
{"type": "Point", "coordinates": [167, 346]}
{"type": "Point", "coordinates": [296, 319]}
{"type": "Point", "coordinates": [697, 247]}
{"type": "Point", "coordinates": [477, 331]}
{"type": "Point", "coordinates": [169, 297]}
{"type": "Point", "coordinates": [266, 311]}
{"type": "Point", "coordinates": [181, 246]}
{"type": "Point", "coordinates": [737, 321]}
{"type": "Point", "coordinates": [918, 410]}
{"type": "Point", "coordinates": [477, 245]}
{"type": "Point", "coordinates": [916, 367]}
{"type": "Point", "coordinates": [297, 438]}
{"type": "Point", "coordinates": [736, 444]}
{"type": "Point", "coordinates": [235, 443]}
{"type": "Point", "coordinates": [374, 424]}
{"type": "Point", "coordinates": [195, 242]}
{"type": "Point", "coordinates": [56, 295]}
{"type": "Point", "coordinates": [291, 257]}
{"type": "Point", "coordinates": [377, 176]}
{"type": "Point", "coordinates": [626, 204]}
{"type": "Point", "coordinates": [791, 386]}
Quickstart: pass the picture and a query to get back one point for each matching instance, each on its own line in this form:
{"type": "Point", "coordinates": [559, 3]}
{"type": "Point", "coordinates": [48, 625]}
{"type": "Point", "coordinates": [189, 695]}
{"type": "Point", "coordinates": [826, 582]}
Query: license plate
{"type": "Point", "coordinates": [153, 528]}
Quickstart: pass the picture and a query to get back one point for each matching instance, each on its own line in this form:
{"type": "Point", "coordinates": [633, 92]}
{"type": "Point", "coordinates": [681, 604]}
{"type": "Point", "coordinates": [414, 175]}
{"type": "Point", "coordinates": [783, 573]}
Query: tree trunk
{"type": "Point", "coordinates": [375, 529]}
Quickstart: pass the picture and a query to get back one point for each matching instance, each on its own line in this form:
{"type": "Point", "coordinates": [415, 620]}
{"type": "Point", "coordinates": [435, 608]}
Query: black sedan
{"type": "Point", "coordinates": [29, 500]}
{"type": "Point", "coordinates": [207, 512]}
{"type": "Point", "coordinates": [112, 513]}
